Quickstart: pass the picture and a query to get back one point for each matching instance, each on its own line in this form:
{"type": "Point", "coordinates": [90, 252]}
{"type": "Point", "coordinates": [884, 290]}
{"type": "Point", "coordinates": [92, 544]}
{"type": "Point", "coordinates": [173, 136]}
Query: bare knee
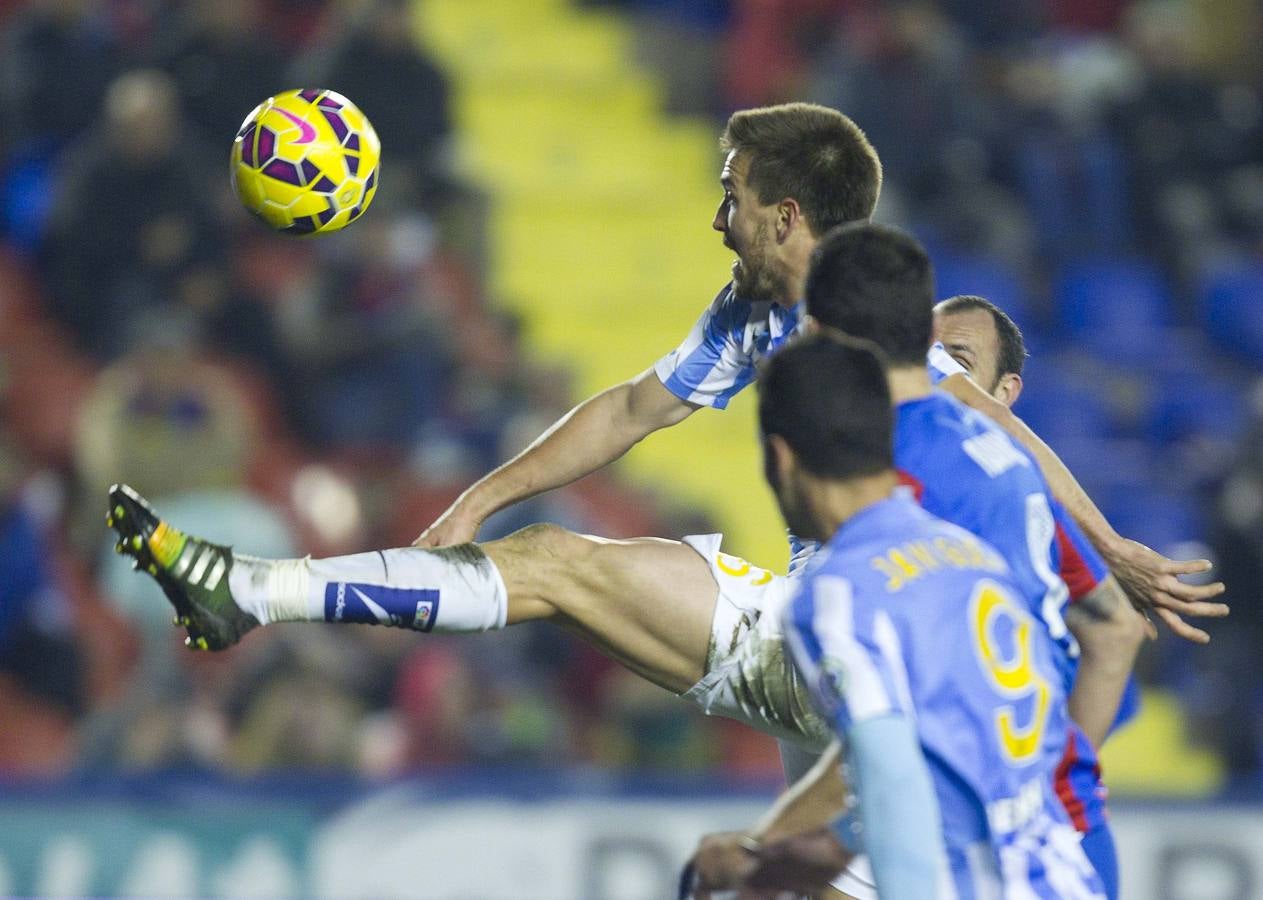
{"type": "Point", "coordinates": [538, 563]}
{"type": "Point", "coordinates": [550, 545]}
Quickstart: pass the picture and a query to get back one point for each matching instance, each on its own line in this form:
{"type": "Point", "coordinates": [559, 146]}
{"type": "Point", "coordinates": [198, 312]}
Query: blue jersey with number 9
{"type": "Point", "coordinates": [908, 615]}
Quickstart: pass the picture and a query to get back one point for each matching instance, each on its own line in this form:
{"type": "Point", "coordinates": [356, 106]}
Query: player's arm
{"type": "Point", "coordinates": [813, 801]}
{"type": "Point", "coordinates": [1109, 632]}
{"type": "Point", "coordinates": [786, 851]}
{"type": "Point", "coordinates": [895, 796]}
{"type": "Point", "coordinates": [796, 824]}
{"type": "Point", "coordinates": [593, 434]}
{"type": "Point", "coordinates": [1149, 578]}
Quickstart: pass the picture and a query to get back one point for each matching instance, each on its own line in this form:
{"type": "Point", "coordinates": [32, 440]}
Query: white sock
{"type": "Point", "coordinates": [452, 589]}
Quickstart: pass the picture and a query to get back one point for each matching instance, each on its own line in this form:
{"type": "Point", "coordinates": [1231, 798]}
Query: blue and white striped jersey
{"type": "Point", "coordinates": [721, 355]}
{"type": "Point", "coordinates": [904, 614]}
{"type": "Point", "coordinates": [722, 352]}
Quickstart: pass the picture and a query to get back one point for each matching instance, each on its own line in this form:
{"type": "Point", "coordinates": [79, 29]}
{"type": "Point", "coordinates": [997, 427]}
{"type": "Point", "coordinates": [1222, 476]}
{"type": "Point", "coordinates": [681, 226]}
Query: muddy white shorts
{"type": "Point", "coordinates": [749, 677]}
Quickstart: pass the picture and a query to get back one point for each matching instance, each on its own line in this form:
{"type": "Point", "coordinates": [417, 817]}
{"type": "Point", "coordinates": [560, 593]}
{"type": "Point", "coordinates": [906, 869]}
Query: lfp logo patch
{"type": "Point", "coordinates": [423, 619]}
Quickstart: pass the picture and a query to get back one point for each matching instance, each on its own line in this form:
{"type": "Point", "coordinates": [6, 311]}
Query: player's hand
{"type": "Point", "coordinates": [721, 863]}
{"type": "Point", "coordinates": [802, 864]}
{"type": "Point", "coordinates": [453, 527]}
{"type": "Point", "coordinates": [1152, 584]}
{"type": "Point", "coordinates": [728, 860]}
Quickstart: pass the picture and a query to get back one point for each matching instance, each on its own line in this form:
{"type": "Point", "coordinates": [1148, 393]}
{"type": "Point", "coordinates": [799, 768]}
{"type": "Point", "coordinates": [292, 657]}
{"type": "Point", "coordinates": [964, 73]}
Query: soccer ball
{"type": "Point", "coordinates": [305, 162]}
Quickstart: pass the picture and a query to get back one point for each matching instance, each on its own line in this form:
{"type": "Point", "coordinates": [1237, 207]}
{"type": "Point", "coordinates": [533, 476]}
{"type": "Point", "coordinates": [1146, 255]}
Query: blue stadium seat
{"type": "Point", "coordinates": [1119, 309]}
{"type": "Point", "coordinates": [1161, 519]}
{"type": "Point", "coordinates": [958, 273]}
{"type": "Point", "coordinates": [1231, 306]}
{"type": "Point", "coordinates": [1060, 406]}
{"type": "Point", "coordinates": [1076, 192]}
{"type": "Point", "coordinates": [1188, 404]}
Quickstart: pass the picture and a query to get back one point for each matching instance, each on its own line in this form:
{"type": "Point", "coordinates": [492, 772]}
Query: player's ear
{"type": "Point", "coordinates": [788, 217]}
{"type": "Point", "coordinates": [1009, 388]}
{"type": "Point", "coordinates": [779, 460]}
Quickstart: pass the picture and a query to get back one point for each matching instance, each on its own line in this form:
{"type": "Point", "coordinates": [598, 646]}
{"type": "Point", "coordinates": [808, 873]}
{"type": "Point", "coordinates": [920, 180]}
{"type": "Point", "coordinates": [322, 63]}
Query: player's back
{"type": "Point", "coordinates": [966, 470]}
{"type": "Point", "coordinates": [907, 614]}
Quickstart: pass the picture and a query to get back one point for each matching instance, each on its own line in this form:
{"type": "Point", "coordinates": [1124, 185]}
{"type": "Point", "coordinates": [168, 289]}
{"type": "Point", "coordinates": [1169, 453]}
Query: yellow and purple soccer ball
{"type": "Point", "coordinates": [305, 162]}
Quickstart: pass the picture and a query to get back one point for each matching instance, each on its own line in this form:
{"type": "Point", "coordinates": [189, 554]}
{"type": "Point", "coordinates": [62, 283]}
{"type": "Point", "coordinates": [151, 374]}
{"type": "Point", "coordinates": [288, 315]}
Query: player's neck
{"type": "Point", "coordinates": [908, 383]}
{"type": "Point", "coordinates": [797, 264]}
{"type": "Point", "coordinates": [834, 503]}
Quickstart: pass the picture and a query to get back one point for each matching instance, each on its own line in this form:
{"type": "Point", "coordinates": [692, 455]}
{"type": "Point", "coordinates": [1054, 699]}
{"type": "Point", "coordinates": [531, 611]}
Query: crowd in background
{"type": "Point", "coordinates": [1094, 167]}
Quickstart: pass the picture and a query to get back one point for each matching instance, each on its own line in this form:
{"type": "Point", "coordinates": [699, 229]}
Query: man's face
{"type": "Point", "coordinates": [747, 229]}
{"type": "Point", "coordinates": [971, 338]}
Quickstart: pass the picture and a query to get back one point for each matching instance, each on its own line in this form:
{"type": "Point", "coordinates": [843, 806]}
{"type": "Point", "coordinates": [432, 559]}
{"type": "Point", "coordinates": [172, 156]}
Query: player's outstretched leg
{"type": "Point", "coordinates": [193, 573]}
{"type": "Point", "coordinates": [647, 602]}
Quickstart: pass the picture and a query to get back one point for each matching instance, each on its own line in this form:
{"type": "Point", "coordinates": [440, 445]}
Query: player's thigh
{"type": "Point", "coordinates": [649, 602]}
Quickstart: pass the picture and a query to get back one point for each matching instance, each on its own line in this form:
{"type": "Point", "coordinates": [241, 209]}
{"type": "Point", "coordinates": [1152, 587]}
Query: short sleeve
{"type": "Point", "coordinates": [712, 365]}
{"type": "Point", "coordinates": [1082, 567]}
{"type": "Point", "coordinates": [940, 364]}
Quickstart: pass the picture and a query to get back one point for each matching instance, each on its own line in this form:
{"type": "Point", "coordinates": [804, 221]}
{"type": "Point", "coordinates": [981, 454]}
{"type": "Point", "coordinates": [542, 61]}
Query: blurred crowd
{"type": "Point", "coordinates": [1094, 167]}
{"type": "Point", "coordinates": [285, 396]}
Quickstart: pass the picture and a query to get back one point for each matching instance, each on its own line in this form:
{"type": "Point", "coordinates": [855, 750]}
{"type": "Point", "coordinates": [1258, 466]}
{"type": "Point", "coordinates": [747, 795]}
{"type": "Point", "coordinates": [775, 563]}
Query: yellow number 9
{"type": "Point", "coordinates": [1013, 674]}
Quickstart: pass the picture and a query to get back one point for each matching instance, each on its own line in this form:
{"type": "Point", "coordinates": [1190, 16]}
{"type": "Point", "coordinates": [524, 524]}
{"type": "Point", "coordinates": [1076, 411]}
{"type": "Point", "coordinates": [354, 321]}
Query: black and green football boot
{"type": "Point", "coordinates": [193, 573]}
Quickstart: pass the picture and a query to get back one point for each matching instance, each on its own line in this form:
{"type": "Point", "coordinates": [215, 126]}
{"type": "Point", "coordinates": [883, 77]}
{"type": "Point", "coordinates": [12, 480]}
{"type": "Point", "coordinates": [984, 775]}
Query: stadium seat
{"type": "Point", "coordinates": [1119, 309]}
{"type": "Point", "coordinates": [1061, 406]}
{"type": "Point", "coordinates": [1076, 192]}
{"type": "Point", "coordinates": [1187, 404]}
{"type": "Point", "coordinates": [1231, 308]}
{"type": "Point", "coordinates": [1160, 518]}
{"type": "Point", "coordinates": [958, 273]}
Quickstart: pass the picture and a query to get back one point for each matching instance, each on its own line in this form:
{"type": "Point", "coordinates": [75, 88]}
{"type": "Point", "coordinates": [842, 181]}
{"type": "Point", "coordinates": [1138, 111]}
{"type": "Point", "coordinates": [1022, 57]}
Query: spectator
{"type": "Point", "coordinates": [41, 670]}
{"type": "Point", "coordinates": [56, 57]}
{"type": "Point", "coordinates": [380, 65]}
{"type": "Point", "coordinates": [223, 64]}
{"type": "Point", "coordinates": [132, 220]}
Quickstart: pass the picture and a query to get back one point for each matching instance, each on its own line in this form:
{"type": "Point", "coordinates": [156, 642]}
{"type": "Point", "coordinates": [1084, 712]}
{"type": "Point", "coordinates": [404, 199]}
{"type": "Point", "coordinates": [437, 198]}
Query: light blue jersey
{"type": "Point", "coordinates": [906, 615]}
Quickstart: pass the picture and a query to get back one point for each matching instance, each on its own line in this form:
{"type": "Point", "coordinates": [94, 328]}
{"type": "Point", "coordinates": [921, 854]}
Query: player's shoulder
{"type": "Point", "coordinates": [726, 299]}
{"type": "Point", "coordinates": [944, 427]}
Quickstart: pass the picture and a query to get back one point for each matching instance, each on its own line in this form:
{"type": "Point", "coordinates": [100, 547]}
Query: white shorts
{"type": "Point", "coordinates": [748, 676]}
{"type": "Point", "coordinates": [857, 880]}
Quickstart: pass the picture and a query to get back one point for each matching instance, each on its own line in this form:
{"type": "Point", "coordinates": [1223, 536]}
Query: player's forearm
{"type": "Point", "coordinates": [814, 800]}
{"type": "Point", "coordinates": [902, 826]}
{"type": "Point", "coordinates": [1061, 480]}
{"type": "Point", "coordinates": [592, 435]}
{"type": "Point", "coordinates": [1109, 632]}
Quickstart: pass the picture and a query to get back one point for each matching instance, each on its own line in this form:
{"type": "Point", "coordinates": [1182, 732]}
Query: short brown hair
{"type": "Point", "coordinates": [811, 153]}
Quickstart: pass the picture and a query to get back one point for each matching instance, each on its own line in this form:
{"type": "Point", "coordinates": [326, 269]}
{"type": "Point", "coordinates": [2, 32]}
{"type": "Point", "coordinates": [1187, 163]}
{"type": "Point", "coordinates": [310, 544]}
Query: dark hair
{"type": "Point", "coordinates": [811, 153]}
{"type": "Point", "coordinates": [874, 282]}
{"type": "Point", "coordinates": [1013, 353]}
{"type": "Point", "coordinates": [828, 398]}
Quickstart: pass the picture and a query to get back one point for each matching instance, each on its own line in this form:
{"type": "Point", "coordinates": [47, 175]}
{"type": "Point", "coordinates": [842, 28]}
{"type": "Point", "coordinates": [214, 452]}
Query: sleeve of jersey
{"type": "Point", "coordinates": [940, 365]}
{"type": "Point", "coordinates": [710, 367]}
{"type": "Point", "coordinates": [853, 671]}
{"type": "Point", "coordinates": [898, 808]}
{"type": "Point", "coordinates": [1082, 568]}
